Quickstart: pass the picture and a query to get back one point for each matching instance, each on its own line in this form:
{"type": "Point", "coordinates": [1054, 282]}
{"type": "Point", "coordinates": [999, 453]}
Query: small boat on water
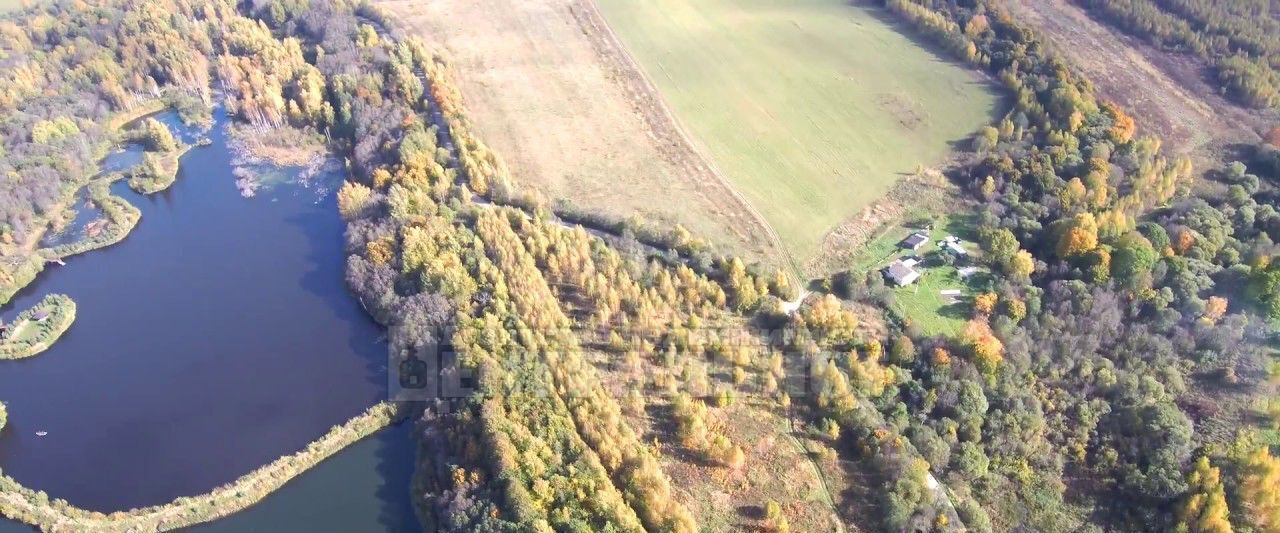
{"type": "Point", "coordinates": [41, 433]}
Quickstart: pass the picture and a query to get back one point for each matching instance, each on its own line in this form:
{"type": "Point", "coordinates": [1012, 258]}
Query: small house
{"type": "Point", "coordinates": [900, 274]}
{"type": "Point", "coordinates": [914, 241]}
{"type": "Point", "coordinates": [40, 315]}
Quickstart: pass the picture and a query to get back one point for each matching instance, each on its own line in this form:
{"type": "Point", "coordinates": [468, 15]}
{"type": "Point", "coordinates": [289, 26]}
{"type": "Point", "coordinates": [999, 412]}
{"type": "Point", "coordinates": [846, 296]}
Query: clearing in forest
{"type": "Point", "coordinates": [813, 109]}
{"type": "Point", "coordinates": [941, 300]}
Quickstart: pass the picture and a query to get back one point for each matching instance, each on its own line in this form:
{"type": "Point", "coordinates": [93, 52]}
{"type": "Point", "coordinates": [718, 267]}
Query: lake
{"type": "Point", "coordinates": [216, 338]}
{"type": "Point", "coordinates": [363, 488]}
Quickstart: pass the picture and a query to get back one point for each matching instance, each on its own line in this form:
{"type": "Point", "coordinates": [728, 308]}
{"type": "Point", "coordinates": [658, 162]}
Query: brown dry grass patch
{"type": "Point", "coordinates": [781, 463]}
{"type": "Point", "coordinates": [575, 122]}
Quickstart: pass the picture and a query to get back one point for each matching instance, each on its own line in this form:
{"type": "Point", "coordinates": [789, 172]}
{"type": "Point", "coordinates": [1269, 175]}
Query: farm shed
{"type": "Point", "coordinates": [900, 273]}
{"type": "Point", "coordinates": [914, 241]}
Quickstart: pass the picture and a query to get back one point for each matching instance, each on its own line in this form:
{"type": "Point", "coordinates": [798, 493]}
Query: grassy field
{"type": "Point", "coordinates": [9, 5]}
{"type": "Point", "coordinates": [547, 91]}
{"type": "Point", "coordinates": [923, 304]}
{"type": "Point", "coordinates": [811, 108]}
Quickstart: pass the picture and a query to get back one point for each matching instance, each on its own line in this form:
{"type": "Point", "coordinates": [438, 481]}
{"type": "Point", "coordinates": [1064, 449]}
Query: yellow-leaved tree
{"type": "Point", "coordinates": [987, 350]}
{"type": "Point", "coordinates": [1260, 489]}
{"type": "Point", "coordinates": [1204, 510]}
{"type": "Point", "coordinates": [1079, 236]}
{"type": "Point", "coordinates": [353, 198]}
{"type": "Point", "coordinates": [1022, 265]}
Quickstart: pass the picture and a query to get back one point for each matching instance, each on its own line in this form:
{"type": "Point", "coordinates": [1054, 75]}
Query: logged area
{"type": "Point", "coordinates": [1168, 92]}
{"type": "Point", "coordinates": [573, 122]}
{"type": "Point", "coordinates": [813, 109]}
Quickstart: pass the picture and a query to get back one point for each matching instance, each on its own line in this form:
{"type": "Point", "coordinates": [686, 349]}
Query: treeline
{"type": "Point", "coordinates": [539, 444]}
{"type": "Point", "coordinates": [161, 152]}
{"type": "Point", "coordinates": [1239, 39]}
{"type": "Point", "coordinates": [1094, 372]}
{"type": "Point", "coordinates": [68, 69]}
{"type": "Point", "coordinates": [36, 329]}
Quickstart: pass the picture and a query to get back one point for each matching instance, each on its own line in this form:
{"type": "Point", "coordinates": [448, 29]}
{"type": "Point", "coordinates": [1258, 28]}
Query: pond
{"type": "Point", "coordinates": [217, 337]}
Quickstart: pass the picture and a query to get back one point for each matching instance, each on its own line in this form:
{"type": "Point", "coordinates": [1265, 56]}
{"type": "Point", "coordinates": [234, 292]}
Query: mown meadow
{"type": "Point", "coordinates": [812, 109]}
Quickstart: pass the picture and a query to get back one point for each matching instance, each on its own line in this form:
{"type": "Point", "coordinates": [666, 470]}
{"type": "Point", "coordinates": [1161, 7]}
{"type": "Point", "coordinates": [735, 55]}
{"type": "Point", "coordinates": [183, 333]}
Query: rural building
{"type": "Point", "coordinates": [915, 241]}
{"type": "Point", "coordinates": [952, 245]}
{"type": "Point", "coordinates": [39, 316]}
{"type": "Point", "coordinates": [900, 274]}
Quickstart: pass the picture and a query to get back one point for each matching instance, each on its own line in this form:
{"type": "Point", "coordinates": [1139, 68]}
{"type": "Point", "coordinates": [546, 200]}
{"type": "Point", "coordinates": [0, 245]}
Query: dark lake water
{"type": "Point", "coordinates": [363, 488]}
{"type": "Point", "coordinates": [217, 337]}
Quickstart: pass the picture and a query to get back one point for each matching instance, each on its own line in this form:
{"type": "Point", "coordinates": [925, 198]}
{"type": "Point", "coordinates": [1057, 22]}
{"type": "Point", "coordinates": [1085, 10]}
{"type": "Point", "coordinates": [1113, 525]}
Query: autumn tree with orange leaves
{"type": "Point", "coordinates": [1273, 137]}
{"type": "Point", "coordinates": [1124, 128]}
{"type": "Point", "coordinates": [1079, 236]}
{"type": "Point", "coordinates": [986, 349]}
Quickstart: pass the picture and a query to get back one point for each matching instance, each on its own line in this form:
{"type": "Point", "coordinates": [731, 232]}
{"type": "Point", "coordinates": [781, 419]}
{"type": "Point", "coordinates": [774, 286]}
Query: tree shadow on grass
{"type": "Point", "coordinates": [1004, 99]}
{"type": "Point", "coordinates": [751, 512]}
{"type": "Point", "coordinates": [663, 428]}
{"type": "Point", "coordinates": [959, 310]}
{"type": "Point", "coordinates": [963, 226]}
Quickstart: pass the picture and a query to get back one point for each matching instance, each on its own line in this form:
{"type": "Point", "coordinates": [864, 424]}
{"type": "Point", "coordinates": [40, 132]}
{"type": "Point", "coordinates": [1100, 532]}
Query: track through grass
{"type": "Point", "coordinates": [811, 108]}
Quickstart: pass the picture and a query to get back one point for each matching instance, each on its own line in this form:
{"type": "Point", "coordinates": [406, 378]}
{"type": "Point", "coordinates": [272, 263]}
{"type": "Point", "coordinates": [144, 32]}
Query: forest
{"type": "Point", "coordinates": [68, 74]}
{"type": "Point", "coordinates": [1128, 360]}
{"type": "Point", "coordinates": [1115, 375]}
